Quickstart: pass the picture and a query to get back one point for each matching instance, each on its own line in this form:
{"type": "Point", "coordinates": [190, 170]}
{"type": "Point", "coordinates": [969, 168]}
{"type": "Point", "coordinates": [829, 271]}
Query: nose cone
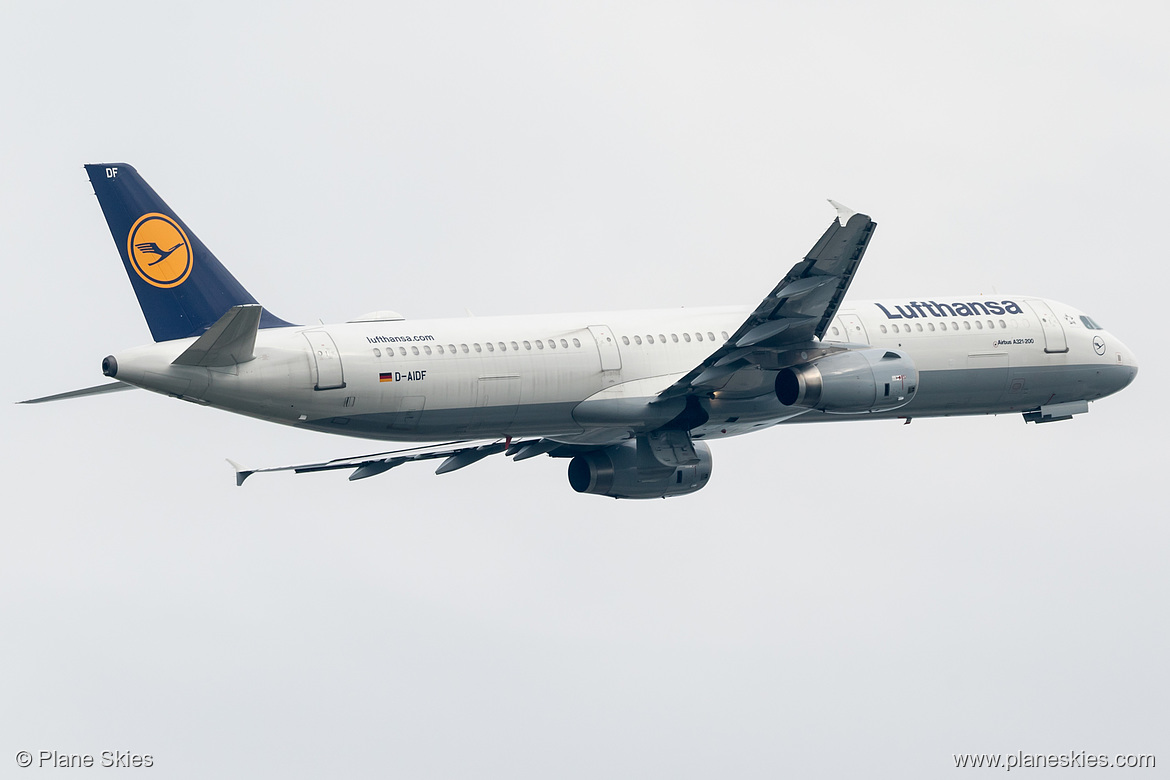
{"type": "Point", "coordinates": [1126, 365]}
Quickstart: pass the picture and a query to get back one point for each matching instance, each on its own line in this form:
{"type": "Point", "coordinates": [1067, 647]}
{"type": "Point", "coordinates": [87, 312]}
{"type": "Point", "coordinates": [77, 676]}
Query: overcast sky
{"type": "Point", "coordinates": [845, 600]}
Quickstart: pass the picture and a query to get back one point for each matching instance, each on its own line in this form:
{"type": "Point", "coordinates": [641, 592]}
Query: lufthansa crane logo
{"type": "Point", "coordinates": [159, 250]}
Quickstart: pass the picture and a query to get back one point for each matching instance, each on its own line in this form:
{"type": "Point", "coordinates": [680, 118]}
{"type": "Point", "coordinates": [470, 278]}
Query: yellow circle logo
{"type": "Point", "coordinates": [159, 250]}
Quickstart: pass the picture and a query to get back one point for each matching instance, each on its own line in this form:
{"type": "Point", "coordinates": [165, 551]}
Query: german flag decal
{"type": "Point", "coordinates": [386, 377]}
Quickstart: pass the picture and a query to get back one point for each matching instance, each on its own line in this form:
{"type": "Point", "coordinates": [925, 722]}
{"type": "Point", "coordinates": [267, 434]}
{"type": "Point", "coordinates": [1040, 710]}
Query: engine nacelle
{"type": "Point", "coordinates": [614, 472]}
{"type": "Point", "coordinates": [853, 382]}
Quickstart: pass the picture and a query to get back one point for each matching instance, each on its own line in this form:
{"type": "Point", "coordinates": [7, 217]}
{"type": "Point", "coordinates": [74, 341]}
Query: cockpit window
{"type": "Point", "coordinates": [1090, 324]}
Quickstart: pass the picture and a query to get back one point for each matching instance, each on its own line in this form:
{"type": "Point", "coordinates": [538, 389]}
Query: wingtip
{"type": "Point", "coordinates": [843, 212]}
{"type": "Point", "coordinates": [241, 472]}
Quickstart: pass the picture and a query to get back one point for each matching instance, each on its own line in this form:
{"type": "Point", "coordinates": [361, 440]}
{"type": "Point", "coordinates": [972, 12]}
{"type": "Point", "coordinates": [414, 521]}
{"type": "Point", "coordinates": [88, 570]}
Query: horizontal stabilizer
{"type": "Point", "coordinates": [230, 341]}
{"type": "Point", "coordinates": [112, 387]}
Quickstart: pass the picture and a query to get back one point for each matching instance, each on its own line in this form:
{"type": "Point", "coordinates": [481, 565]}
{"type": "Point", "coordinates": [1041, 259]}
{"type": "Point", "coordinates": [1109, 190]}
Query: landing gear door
{"type": "Point", "coordinates": [327, 373]}
{"type": "Point", "coordinates": [1054, 340]}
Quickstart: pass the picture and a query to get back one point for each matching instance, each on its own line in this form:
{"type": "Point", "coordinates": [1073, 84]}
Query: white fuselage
{"type": "Point", "coordinates": [489, 377]}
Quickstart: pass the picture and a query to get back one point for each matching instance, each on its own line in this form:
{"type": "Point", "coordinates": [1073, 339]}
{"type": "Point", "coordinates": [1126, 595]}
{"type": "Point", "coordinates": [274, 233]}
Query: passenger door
{"type": "Point", "coordinates": [327, 371]}
{"type": "Point", "coordinates": [1054, 339]}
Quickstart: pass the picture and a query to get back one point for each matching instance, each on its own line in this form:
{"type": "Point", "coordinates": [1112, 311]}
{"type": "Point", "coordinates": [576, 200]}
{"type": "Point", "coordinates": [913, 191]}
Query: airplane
{"type": "Point", "coordinates": [629, 398]}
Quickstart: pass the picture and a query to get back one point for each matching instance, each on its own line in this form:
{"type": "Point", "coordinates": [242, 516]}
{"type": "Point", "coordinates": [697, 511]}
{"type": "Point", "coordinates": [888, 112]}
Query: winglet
{"type": "Point", "coordinates": [843, 212]}
{"type": "Point", "coordinates": [241, 472]}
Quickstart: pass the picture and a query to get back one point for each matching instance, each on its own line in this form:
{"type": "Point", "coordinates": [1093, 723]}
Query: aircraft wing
{"type": "Point", "coordinates": [796, 313]}
{"type": "Point", "coordinates": [456, 455]}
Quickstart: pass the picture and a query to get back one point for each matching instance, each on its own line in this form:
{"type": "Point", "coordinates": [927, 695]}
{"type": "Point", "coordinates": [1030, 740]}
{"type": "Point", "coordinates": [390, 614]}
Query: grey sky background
{"type": "Point", "coordinates": [842, 600]}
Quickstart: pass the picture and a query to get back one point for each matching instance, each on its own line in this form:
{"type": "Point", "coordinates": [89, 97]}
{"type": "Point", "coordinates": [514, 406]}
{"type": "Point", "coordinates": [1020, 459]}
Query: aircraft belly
{"type": "Point", "coordinates": [983, 390]}
{"type": "Point", "coordinates": [427, 424]}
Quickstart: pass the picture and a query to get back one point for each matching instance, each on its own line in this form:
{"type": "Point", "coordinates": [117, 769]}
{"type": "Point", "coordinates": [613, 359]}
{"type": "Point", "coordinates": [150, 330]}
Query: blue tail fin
{"type": "Point", "coordinates": [180, 285]}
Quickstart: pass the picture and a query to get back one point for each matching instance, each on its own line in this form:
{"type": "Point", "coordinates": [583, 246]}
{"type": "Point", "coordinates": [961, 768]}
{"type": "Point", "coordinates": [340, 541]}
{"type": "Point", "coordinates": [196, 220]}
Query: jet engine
{"type": "Point", "coordinates": [615, 471]}
{"type": "Point", "coordinates": [853, 382]}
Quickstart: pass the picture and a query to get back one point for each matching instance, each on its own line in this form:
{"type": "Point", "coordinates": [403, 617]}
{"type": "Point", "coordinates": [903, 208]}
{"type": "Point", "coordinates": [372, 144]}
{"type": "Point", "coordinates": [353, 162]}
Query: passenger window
{"type": "Point", "coordinates": [884, 330]}
{"type": "Point", "coordinates": [626, 340]}
{"type": "Point", "coordinates": [552, 344]}
{"type": "Point", "coordinates": [539, 344]}
{"type": "Point", "coordinates": [402, 351]}
{"type": "Point", "coordinates": [1002, 324]}
{"type": "Point", "coordinates": [515, 347]}
{"type": "Point", "coordinates": [451, 348]}
{"type": "Point", "coordinates": [725, 336]}
{"type": "Point", "coordinates": [377, 352]}
{"type": "Point", "coordinates": [710, 335]}
{"type": "Point", "coordinates": [930, 326]}
{"type": "Point", "coordinates": [414, 350]}
{"type": "Point", "coordinates": [427, 350]}
{"type": "Point", "coordinates": [503, 347]}
{"type": "Point", "coordinates": [918, 326]}
{"type": "Point", "coordinates": [477, 346]}
{"type": "Point", "coordinates": [464, 348]}
{"type": "Point", "coordinates": [638, 340]}
{"type": "Point", "coordinates": [564, 344]}
{"type": "Point", "coordinates": [576, 342]}
{"type": "Point", "coordinates": [966, 325]}
{"type": "Point", "coordinates": [439, 348]}
{"type": "Point", "coordinates": [687, 338]}
{"type": "Point", "coordinates": [649, 339]}
{"type": "Point", "coordinates": [895, 327]}
{"type": "Point", "coordinates": [674, 337]}
{"type": "Point", "coordinates": [978, 325]}
{"type": "Point", "coordinates": [698, 336]}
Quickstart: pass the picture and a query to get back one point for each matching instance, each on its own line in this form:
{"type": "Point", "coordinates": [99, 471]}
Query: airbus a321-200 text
{"type": "Point", "coordinates": [631, 399]}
